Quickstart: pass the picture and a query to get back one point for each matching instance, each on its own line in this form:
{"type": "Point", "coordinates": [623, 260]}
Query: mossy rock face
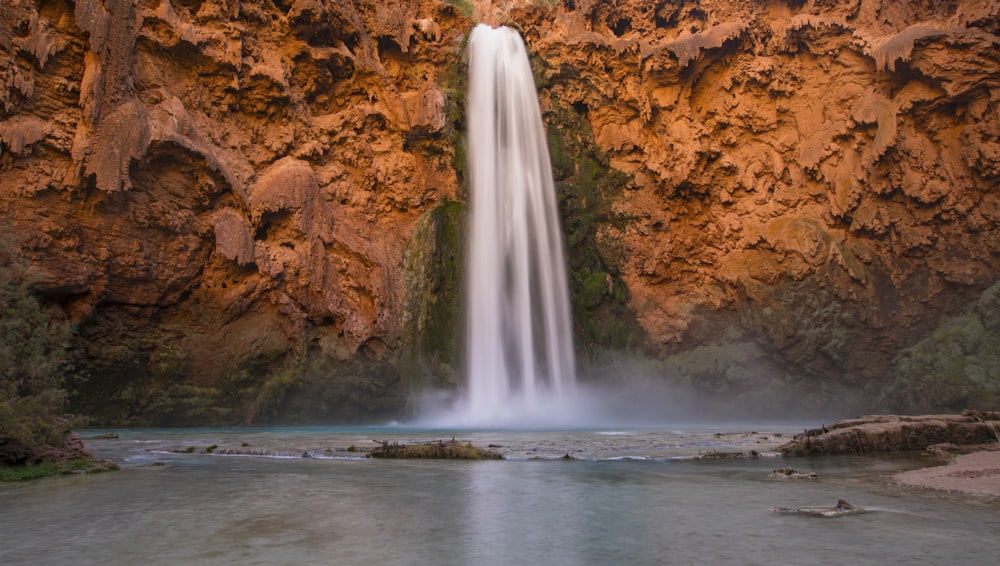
{"type": "Point", "coordinates": [337, 392]}
{"type": "Point", "coordinates": [464, 7]}
{"type": "Point", "coordinates": [266, 389]}
{"type": "Point", "coordinates": [988, 309]}
{"type": "Point", "coordinates": [586, 187]}
{"type": "Point", "coordinates": [595, 288]}
{"type": "Point", "coordinates": [432, 313]}
{"type": "Point", "coordinates": [955, 366]}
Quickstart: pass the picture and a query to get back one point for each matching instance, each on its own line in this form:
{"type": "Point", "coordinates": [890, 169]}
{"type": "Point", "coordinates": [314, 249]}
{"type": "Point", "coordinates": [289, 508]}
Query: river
{"type": "Point", "coordinates": [301, 496]}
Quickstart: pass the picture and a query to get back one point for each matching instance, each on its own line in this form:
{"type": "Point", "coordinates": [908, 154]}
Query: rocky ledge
{"type": "Point", "coordinates": [440, 450]}
{"type": "Point", "coordinates": [895, 433]}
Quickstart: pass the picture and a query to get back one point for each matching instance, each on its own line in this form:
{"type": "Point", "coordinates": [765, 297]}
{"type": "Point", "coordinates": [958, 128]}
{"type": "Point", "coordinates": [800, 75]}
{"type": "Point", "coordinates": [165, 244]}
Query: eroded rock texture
{"type": "Point", "coordinates": [214, 188]}
{"type": "Point", "coordinates": [815, 186]}
{"type": "Point", "coordinates": [249, 207]}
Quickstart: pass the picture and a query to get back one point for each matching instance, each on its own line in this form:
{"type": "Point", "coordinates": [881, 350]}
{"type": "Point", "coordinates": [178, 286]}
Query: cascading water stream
{"type": "Point", "coordinates": [519, 334]}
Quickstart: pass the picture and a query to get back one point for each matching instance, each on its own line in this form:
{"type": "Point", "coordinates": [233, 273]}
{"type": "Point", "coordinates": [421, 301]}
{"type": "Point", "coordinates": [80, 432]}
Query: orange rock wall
{"type": "Point", "coordinates": [214, 180]}
{"type": "Point", "coordinates": [815, 184]}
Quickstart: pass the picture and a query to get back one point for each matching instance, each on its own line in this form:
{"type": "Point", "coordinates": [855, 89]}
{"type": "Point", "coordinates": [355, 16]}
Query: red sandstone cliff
{"type": "Point", "coordinates": [237, 199]}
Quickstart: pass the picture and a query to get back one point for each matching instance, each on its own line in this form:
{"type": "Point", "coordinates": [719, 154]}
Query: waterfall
{"type": "Point", "coordinates": [519, 344]}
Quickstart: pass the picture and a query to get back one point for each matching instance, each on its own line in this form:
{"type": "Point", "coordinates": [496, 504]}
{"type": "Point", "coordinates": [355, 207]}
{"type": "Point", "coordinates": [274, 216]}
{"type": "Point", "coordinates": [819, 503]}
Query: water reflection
{"type": "Point", "coordinates": [206, 509]}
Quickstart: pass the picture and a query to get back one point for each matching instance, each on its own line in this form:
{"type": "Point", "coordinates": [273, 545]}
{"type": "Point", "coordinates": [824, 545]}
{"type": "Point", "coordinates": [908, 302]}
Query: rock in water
{"type": "Point", "coordinates": [839, 510]}
{"type": "Point", "coordinates": [440, 450]}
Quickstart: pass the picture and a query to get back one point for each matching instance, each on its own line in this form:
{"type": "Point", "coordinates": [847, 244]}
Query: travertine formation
{"type": "Point", "coordinates": [248, 207]}
{"type": "Point", "coordinates": [881, 434]}
{"type": "Point", "coordinates": [814, 187]}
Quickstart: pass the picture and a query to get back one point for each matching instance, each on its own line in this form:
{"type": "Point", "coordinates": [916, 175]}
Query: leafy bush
{"type": "Point", "coordinates": [33, 356]}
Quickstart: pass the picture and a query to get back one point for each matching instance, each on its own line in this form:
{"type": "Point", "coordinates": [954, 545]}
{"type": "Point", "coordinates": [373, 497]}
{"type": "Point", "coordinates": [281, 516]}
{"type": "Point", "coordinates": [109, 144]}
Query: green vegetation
{"type": "Point", "coordinates": [586, 187]}
{"type": "Point", "coordinates": [29, 472]}
{"type": "Point", "coordinates": [955, 367]}
{"type": "Point", "coordinates": [269, 388]}
{"type": "Point", "coordinates": [432, 264]}
{"type": "Point", "coordinates": [433, 271]}
{"type": "Point", "coordinates": [464, 7]}
{"type": "Point", "coordinates": [49, 469]}
{"type": "Point", "coordinates": [329, 390]}
{"type": "Point", "coordinates": [454, 82]}
{"type": "Point", "coordinates": [34, 358]}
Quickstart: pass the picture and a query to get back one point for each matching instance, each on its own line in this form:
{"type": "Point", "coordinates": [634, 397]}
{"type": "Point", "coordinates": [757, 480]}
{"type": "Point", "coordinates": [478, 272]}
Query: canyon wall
{"type": "Point", "coordinates": [253, 211]}
{"type": "Point", "coordinates": [813, 206]}
{"type": "Point", "coordinates": [220, 194]}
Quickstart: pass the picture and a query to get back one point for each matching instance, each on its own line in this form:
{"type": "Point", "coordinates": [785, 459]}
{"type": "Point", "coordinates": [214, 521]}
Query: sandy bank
{"type": "Point", "coordinates": [977, 473]}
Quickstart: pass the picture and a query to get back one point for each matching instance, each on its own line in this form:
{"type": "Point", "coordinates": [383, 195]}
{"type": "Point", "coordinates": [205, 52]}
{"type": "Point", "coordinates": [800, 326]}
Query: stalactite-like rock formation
{"type": "Point", "coordinates": [200, 184]}
{"type": "Point", "coordinates": [814, 187]}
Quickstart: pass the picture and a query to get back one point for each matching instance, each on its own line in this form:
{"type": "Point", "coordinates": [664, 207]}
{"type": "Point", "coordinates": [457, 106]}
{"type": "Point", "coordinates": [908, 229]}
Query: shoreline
{"type": "Point", "coordinates": [976, 473]}
{"type": "Point", "coordinates": [967, 446]}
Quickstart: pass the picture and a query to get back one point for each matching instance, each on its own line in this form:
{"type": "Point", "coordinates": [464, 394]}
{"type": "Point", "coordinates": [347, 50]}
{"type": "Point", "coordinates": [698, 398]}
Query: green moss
{"type": "Point", "coordinates": [333, 391]}
{"type": "Point", "coordinates": [160, 402]}
{"type": "Point", "coordinates": [594, 289]}
{"type": "Point", "coordinates": [587, 186]}
{"type": "Point", "coordinates": [464, 7]}
{"type": "Point", "coordinates": [454, 83]}
{"type": "Point", "coordinates": [30, 472]}
{"type": "Point", "coordinates": [49, 469]}
{"type": "Point", "coordinates": [433, 266]}
{"type": "Point", "coordinates": [954, 367]}
{"type": "Point", "coordinates": [171, 361]}
{"type": "Point", "coordinates": [448, 224]}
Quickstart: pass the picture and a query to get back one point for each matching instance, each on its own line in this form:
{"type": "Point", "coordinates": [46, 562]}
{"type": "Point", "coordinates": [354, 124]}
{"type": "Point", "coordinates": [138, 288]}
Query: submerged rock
{"type": "Point", "coordinates": [716, 455]}
{"type": "Point", "coordinates": [792, 473]}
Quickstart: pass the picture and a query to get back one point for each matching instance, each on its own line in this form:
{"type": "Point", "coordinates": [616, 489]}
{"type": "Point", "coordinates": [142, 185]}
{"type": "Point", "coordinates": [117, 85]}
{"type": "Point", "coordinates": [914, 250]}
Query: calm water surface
{"type": "Point", "coordinates": [630, 497]}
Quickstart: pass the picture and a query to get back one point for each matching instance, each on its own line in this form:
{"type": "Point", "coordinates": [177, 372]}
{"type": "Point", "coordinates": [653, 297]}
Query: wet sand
{"type": "Point", "coordinates": [976, 473]}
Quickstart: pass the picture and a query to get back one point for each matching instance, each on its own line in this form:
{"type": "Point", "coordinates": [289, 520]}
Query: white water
{"type": "Point", "coordinates": [519, 336]}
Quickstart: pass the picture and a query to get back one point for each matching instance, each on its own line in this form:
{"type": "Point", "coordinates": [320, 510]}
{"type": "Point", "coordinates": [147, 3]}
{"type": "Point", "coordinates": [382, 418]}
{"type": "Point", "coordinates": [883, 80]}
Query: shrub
{"type": "Point", "coordinates": [33, 358]}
